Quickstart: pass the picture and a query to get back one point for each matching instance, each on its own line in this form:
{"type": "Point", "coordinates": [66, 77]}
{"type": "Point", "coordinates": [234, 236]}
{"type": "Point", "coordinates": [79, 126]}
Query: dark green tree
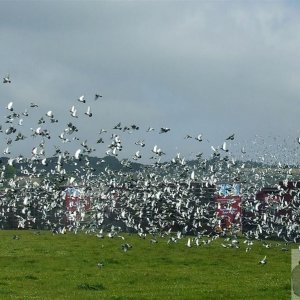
{"type": "Point", "coordinates": [10, 171]}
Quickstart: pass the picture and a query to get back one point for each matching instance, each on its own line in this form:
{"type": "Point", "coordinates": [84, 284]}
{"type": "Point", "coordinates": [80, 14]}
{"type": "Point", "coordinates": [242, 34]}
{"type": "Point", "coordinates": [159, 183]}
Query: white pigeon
{"type": "Point", "coordinates": [199, 138]}
{"type": "Point", "coordinates": [10, 161]}
{"type": "Point", "coordinates": [189, 244]}
{"type": "Point", "coordinates": [34, 151]}
{"type": "Point", "coordinates": [73, 112]}
{"type": "Point", "coordinates": [44, 161]}
{"type": "Point", "coordinates": [224, 147]}
{"type": "Point", "coordinates": [137, 155]}
{"type": "Point", "coordinates": [263, 261]}
{"type": "Point", "coordinates": [10, 106]}
{"type": "Point", "coordinates": [25, 113]}
{"type": "Point", "coordinates": [50, 114]}
{"type": "Point", "coordinates": [193, 175]}
{"type": "Point", "coordinates": [77, 154]}
{"type": "Point", "coordinates": [88, 112]}
{"type": "Point", "coordinates": [71, 180]}
{"type": "Point", "coordinates": [157, 150]}
{"type": "Point", "coordinates": [6, 151]}
{"type": "Point", "coordinates": [81, 99]}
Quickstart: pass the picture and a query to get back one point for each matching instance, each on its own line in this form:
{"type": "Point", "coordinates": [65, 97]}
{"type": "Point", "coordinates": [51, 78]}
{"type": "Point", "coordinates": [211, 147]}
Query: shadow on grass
{"type": "Point", "coordinates": [112, 261]}
{"type": "Point", "coordinates": [91, 287]}
{"type": "Point", "coordinates": [5, 291]}
{"type": "Point", "coordinates": [31, 277]}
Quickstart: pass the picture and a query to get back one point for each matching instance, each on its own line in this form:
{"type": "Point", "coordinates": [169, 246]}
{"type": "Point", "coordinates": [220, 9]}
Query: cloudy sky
{"type": "Point", "coordinates": [198, 67]}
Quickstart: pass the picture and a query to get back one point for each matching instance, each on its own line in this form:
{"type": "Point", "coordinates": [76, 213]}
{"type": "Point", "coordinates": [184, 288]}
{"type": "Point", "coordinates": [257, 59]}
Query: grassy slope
{"type": "Point", "coordinates": [65, 267]}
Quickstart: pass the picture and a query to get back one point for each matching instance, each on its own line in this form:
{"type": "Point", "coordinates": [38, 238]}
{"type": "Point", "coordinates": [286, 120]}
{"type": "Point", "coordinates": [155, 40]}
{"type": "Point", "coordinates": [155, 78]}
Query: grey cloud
{"type": "Point", "coordinates": [208, 67]}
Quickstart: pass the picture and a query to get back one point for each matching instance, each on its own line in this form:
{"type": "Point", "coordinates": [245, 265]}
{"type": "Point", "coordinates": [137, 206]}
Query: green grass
{"type": "Point", "coordinates": [50, 266]}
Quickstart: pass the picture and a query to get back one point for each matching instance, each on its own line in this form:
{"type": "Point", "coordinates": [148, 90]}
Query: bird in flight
{"type": "Point", "coordinates": [224, 147]}
{"type": "Point", "coordinates": [231, 137]}
{"type": "Point", "coordinates": [81, 99]}
{"type": "Point", "coordinates": [150, 129]}
{"type": "Point", "coordinates": [97, 96]}
{"type": "Point", "coordinates": [189, 244]}
{"type": "Point", "coordinates": [164, 129]}
{"type": "Point", "coordinates": [199, 138]}
{"type": "Point", "coordinates": [6, 79]}
{"type": "Point", "coordinates": [73, 112]}
{"type": "Point", "coordinates": [33, 104]}
{"type": "Point", "coordinates": [10, 106]}
{"type": "Point", "coordinates": [77, 154]}
{"type": "Point", "coordinates": [188, 136]}
{"type": "Point", "coordinates": [88, 112]}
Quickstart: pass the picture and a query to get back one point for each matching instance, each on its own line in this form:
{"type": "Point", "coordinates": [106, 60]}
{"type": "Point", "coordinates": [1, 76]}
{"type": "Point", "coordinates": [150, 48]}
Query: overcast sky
{"type": "Point", "coordinates": [200, 67]}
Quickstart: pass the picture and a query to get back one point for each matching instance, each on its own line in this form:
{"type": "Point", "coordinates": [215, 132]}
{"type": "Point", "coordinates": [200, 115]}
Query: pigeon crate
{"type": "Point", "coordinates": [228, 211]}
{"type": "Point", "coordinates": [277, 200]}
{"type": "Point", "coordinates": [77, 202]}
{"type": "Point", "coordinates": [228, 206]}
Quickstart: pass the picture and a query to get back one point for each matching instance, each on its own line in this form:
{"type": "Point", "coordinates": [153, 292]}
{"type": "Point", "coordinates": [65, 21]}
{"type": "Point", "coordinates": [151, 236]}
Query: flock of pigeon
{"type": "Point", "coordinates": [168, 198]}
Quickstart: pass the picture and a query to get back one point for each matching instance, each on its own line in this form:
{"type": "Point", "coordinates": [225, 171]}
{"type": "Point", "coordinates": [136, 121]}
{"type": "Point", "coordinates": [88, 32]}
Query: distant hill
{"type": "Point", "coordinates": [173, 170]}
{"type": "Point", "coordinates": [97, 165]}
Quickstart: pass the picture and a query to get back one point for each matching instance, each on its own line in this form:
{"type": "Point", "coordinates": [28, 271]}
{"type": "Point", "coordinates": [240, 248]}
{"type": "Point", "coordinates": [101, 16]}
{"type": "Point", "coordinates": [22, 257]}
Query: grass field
{"type": "Point", "coordinates": [47, 266]}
